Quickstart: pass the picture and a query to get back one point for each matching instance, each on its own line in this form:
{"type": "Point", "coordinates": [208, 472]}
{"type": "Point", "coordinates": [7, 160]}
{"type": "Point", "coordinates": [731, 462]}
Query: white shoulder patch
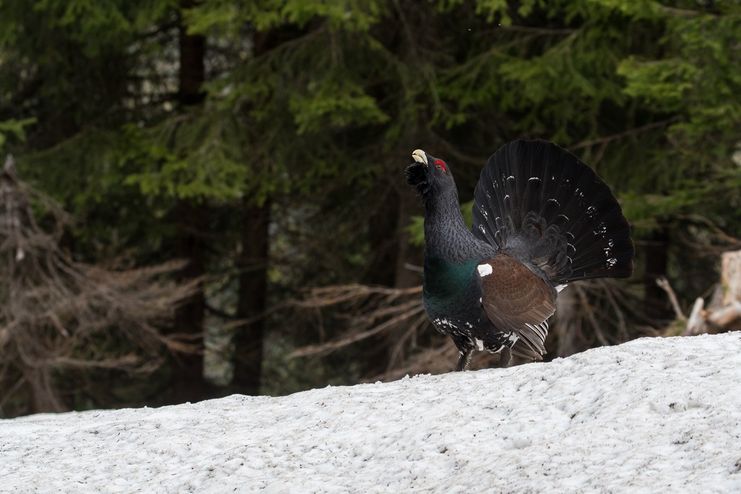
{"type": "Point", "coordinates": [484, 269]}
{"type": "Point", "coordinates": [560, 287]}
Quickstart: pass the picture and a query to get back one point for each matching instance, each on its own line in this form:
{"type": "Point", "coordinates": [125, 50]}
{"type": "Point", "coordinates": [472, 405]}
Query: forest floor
{"type": "Point", "coordinates": [652, 415]}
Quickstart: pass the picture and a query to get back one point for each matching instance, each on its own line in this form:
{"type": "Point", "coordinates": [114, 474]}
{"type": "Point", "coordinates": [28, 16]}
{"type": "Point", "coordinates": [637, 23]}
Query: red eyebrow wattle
{"type": "Point", "coordinates": [441, 164]}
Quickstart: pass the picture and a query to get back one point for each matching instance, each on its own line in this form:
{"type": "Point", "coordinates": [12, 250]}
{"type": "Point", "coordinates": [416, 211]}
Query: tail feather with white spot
{"type": "Point", "coordinates": [544, 206]}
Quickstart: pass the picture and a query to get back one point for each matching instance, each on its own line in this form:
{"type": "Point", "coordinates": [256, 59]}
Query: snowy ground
{"type": "Point", "coordinates": [653, 415]}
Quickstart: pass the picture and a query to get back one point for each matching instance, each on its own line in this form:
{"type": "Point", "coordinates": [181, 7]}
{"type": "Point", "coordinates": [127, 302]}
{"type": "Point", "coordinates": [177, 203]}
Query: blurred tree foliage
{"type": "Point", "coordinates": [263, 141]}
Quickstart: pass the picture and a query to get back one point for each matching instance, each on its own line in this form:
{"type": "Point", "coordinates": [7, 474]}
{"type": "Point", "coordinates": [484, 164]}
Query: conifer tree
{"type": "Point", "coordinates": [271, 154]}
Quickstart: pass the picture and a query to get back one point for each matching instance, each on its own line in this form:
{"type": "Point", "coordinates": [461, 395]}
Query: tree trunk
{"type": "Point", "coordinates": [253, 264]}
{"type": "Point", "coordinates": [192, 221]}
{"type": "Point", "coordinates": [253, 282]}
{"type": "Point", "coordinates": [44, 398]}
{"type": "Point", "coordinates": [187, 382]}
{"type": "Point", "coordinates": [408, 258]}
{"type": "Point", "coordinates": [567, 327]}
{"type": "Point", "coordinates": [390, 265]}
{"type": "Point", "coordinates": [382, 224]}
{"type": "Point", "coordinates": [192, 72]}
{"type": "Point", "coordinates": [657, 258]}
{"type": "Point", "coordinates": [382, 227]}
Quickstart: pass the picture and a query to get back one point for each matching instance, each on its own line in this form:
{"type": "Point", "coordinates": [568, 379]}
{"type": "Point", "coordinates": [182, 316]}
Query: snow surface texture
{"type": "Point", "coordinates": [653, 415]}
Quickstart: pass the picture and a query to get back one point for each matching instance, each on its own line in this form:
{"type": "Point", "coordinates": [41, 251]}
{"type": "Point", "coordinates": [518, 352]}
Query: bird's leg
{"type": "Point", "coordinates": [464, 359]}
{"type": "Point", "coordinates": [505, 355]}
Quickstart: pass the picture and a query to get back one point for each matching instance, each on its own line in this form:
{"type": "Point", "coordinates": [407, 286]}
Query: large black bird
{"type": "Point", "coordinates": [541, 219]}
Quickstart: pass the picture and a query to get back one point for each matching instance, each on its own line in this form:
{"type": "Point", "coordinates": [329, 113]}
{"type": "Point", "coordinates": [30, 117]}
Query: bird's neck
{"type": "Point", "coordinates": [446, 234]}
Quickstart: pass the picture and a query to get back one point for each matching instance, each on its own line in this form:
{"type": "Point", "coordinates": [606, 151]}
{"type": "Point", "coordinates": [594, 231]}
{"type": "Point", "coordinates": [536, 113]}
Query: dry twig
{"type": "Point", "coordinates": [57, 314]}
{"type": "Point", "coordinates": [664, 285]}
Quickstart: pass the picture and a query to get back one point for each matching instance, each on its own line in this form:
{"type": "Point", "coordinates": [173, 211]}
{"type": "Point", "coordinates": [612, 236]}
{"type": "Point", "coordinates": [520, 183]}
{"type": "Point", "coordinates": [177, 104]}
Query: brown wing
{"type": "Point", "coordinates": [516, 299]}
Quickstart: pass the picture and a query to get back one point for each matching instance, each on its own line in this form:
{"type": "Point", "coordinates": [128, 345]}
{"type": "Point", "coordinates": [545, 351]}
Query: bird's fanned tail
{"type": "Point", "coordinates": [542, 205]}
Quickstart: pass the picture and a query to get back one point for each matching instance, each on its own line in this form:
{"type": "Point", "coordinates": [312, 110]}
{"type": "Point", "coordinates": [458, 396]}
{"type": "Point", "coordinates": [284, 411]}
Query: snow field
{"type": "Point", "coordinates": [652, 415]}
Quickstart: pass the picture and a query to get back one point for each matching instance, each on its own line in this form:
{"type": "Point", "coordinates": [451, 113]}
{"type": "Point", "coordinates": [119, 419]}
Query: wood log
{"type": "Point", "coordinates": [726, 316]}
{"type": "Point", "coordinates": [723, 311]}
{"type": "Point", "coordinates": [730, 277]}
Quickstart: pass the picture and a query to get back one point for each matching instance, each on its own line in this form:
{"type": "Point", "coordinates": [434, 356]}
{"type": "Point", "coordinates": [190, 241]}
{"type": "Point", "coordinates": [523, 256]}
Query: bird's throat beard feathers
{"type": "Point", "coordinates": [417, 177]}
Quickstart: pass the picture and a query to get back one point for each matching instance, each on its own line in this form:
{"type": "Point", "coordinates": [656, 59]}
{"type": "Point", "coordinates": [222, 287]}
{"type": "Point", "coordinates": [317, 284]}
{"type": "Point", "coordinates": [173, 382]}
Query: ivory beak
{"type": "Point", "coordinates": [420, 156]}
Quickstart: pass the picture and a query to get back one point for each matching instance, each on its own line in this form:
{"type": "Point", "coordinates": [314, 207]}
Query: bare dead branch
{"type": "Point", "coordinates": [696, 321]}
{"type": "Point", "coordinates": [621, 135]}
{"type": "Point", "coordinates": [664, 285]}
{"type": "Point", "coordinates": [408, 311]}
{"type": "Point", "coordinates": [58, 314]}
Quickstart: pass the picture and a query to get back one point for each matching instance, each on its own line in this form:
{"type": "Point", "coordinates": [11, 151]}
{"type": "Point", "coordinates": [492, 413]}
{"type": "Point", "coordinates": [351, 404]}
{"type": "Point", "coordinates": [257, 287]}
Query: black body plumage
{"type": "Point", "coordinates": [541, 219]}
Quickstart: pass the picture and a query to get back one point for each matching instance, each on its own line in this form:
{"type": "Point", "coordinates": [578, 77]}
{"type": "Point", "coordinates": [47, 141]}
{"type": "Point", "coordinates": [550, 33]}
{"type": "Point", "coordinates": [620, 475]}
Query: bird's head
{"type": "Point", "coordinates": [429, 175]}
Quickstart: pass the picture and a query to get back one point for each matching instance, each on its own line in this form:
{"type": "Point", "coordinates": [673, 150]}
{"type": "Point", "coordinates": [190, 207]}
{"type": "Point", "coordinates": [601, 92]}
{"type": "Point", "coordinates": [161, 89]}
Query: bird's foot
{"type": "Point", "coordinates": [463, 360]}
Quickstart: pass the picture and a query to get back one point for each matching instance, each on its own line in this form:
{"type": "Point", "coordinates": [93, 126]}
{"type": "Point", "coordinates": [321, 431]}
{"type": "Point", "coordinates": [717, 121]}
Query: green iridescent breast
{"type": "Point", "coordinates": [447, 283]}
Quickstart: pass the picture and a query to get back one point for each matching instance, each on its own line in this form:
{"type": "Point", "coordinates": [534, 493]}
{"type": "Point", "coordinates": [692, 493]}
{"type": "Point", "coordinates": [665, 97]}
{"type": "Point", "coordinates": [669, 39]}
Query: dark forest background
{"type": "Point", "coordinates": [208, 196]}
